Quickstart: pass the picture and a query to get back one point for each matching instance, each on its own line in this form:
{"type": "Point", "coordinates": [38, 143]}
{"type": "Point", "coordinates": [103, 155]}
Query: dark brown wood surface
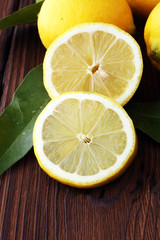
{"type": "Point", "coordinates": [34, 206]}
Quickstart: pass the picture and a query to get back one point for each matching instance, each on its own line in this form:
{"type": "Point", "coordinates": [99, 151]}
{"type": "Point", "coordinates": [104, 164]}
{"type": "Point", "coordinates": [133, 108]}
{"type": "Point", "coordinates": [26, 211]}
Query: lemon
{"type": "Point", "coordinates": [152, 36]}
{"type": "Point", "coordinates": [57, 16]}
{"type": "Point", "coordinates": [84, 139]}
{"type": "Point", "coordinates": [94, 57]}
{"type": "Point", "coordinates": [142, 7]}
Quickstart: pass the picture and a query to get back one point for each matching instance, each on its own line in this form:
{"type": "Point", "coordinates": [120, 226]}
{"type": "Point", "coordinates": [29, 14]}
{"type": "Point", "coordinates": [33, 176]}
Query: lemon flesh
{"type": "Point", "coordinates": [96, 58]}
{"type": "Point", "coordinates": [84, 139]}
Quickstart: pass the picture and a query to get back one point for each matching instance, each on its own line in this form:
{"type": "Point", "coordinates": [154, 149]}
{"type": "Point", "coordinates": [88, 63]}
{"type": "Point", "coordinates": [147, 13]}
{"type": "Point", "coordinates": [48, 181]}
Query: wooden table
{"type": "Point", "coordinates": [34, 206]}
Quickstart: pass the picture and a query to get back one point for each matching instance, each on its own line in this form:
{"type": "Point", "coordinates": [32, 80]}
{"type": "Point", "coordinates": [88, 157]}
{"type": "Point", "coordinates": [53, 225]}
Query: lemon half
{"type": "Point", "coordinates": [84, 139]}
{"type": "Point", "coordinates": [94, 57]}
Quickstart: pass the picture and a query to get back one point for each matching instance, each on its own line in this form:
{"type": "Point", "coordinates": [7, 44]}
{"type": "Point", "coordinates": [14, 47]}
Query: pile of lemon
{"type": "Point", "coordinates": [92, 67]}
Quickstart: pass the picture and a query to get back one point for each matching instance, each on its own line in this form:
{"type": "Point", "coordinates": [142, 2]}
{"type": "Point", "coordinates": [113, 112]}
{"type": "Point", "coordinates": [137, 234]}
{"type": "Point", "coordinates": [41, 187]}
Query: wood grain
{"type": "Point", "coordinates": [34, 206]}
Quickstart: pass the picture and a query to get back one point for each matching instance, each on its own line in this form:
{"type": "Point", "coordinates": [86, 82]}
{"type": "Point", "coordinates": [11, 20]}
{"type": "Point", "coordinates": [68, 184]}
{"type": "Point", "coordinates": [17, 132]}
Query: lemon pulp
{"type": "Point", "coordinates": [83, 141]}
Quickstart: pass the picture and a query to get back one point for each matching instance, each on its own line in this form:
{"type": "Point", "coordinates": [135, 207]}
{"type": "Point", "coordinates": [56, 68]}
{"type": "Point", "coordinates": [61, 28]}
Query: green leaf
{"type": "Point", "coordinates": [39, 1]}
{"type": "Point", "coordinates": [146, 117]}
{"type": "Point", "coordinates": [25, 15]}
{"type": "Point", "coordinates": [17, 120]}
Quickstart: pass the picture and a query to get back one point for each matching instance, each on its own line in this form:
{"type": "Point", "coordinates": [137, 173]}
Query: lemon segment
{"type": "Point", "coordinates": [84, 139]}
{"type": "Point", "coordinates": [94, 57]}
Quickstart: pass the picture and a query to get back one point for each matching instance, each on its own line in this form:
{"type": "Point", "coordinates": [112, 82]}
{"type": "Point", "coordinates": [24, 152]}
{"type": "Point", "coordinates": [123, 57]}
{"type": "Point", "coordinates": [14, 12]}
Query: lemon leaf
{"type": "Point", "coordinates": [17, 120]}
{"type": "Point", "coordinates": [25, 15]}
{"type": "Point", "coordinates": [146, 117]}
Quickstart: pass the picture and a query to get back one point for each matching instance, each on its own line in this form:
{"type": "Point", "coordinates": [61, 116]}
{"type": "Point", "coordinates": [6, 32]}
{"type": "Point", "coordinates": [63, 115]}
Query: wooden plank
{"type": "Point", "coordinates": [5, 38]}
{"type": "Point", "coordinates": [24, 52]}
{"type": "Point", "coordinates": [34, 206]}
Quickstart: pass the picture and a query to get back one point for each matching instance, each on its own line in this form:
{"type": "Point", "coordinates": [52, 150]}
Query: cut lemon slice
{"type": "Point", "coordinates": [84, 139]}
{"type": "Point", "coordinates": [94, 57]}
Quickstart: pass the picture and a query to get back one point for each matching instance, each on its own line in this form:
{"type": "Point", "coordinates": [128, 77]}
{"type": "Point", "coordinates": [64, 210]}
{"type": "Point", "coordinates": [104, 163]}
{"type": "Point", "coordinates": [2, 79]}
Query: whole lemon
{"type": "Point", "coordinates": [142, 7]}
{"type": "Point", "coordinates": [152, 36]}
{"type": "Point", "coordinates": [57, 16]}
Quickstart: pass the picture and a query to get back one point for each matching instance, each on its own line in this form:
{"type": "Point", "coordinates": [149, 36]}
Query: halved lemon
{"type": "Point", "coordinates": [84, 139]}
{"type": "Point", "coordinates": [94, 57]}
